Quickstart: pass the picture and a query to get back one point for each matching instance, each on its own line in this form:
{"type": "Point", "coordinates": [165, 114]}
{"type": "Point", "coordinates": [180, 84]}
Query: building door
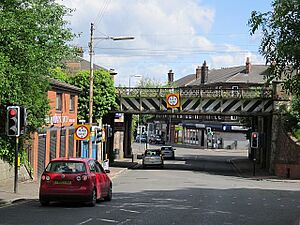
{"type": "Point", "coordinates": [62, 150]}
{"type": "Point", "coordinates": [53, 139]}
{"type": "Point", "coordinates": [41, 153]}
{"type": "Point", "coordinates": [71, 141]}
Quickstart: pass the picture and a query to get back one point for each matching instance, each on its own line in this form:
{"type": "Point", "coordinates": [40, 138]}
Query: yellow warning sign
{"type": "Point", "coordinates": [173, 100]}
{"type": "Point", "coordinates": [82, 132]}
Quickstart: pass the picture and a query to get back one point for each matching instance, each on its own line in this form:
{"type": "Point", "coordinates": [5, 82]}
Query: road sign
{"type": "Point", "coordinates": [82, 132]}
{"type": "Point", "coordinates": [173, 100]}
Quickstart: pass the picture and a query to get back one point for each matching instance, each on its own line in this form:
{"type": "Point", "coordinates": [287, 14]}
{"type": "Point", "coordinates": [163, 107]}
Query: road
{"type": "Point", "coordinates": [195, 189]}
{"type": "Point", "coordinates": [214, 161]}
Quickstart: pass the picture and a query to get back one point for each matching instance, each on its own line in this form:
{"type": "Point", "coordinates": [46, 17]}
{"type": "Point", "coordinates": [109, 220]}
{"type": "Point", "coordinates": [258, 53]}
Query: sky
{"type": "Point", "coordinates": [175, 35]}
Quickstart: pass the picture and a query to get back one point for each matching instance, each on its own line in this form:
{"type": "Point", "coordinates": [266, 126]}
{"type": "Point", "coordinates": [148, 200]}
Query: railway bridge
{"type": "Point", "coordinates": [261, 104]}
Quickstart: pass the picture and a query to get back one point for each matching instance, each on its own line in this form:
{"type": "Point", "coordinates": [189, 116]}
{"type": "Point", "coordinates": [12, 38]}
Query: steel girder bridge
{"type": "Point", "coordinates": [199, 101]}
{"type": "Point", "coordinates": [259, 103]}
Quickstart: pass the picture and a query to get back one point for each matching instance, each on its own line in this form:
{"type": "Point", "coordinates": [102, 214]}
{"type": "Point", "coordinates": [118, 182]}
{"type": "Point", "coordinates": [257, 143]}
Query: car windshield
{"type": "Point", "coordinates": [66, 167]}
{"type": "Point", "coordinates": [152, 153]}
{"type": "Point", "coordinates": [166, 148]}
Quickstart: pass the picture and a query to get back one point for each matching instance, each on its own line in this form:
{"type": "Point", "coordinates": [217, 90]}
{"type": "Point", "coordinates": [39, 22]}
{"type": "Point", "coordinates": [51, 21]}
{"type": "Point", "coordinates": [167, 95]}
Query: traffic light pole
{"type": "Point", "coordinates": [16, 165]}
{"type": "Point", "coordinates": [254, 161]}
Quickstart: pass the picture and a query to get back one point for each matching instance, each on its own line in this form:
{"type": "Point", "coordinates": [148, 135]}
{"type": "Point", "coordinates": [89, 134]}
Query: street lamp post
{"type": "Point", "coordinates": [91, 52]}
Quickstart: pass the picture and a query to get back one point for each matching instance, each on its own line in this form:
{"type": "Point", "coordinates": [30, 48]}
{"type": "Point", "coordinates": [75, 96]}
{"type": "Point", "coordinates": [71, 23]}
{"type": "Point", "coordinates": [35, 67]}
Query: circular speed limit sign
{"type": "Point", "coordinates": [82, 132]}
{"type": "Point", "coordinates": [173, 100]}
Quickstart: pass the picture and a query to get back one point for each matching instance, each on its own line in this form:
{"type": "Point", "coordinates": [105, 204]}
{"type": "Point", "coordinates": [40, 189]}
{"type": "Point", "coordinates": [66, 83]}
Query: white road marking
{"type": "Point", "coordinates": [213, 212]}
{"type": "Point", "coordinates": [107, 220]}
{"type": "Point", "coordinates": [123, 222]}
{"type": "Point", "coordinates": [86, 221]}
{"type": "Point", "coordinates": [169, 199]}
{"type": "Point", "coordinates": [131, 211]}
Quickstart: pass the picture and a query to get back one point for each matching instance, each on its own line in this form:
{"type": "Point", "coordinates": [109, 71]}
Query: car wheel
{"type": "Point", "coordinates": [44, 203]}
{"type": "Point", "coordinates": [93, 198]}
{"type": "Point", "coordinates": [144, 166]}
{"type": "Point", "coordinates": [109, 194]}
{"type": "Point", "coordinates": [162, 166]}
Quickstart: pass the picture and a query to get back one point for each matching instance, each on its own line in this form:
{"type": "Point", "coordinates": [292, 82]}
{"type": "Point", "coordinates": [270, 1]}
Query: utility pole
{"type": "Point", "coordinates": [91, 86]}
{"type": "Point", "coordinates": [91, 51]}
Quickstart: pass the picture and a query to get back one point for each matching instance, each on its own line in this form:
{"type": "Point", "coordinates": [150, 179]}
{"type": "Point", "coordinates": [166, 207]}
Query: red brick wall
{"type": "Point", "coordinates": [58, 119]}
{"type": "Point", "coordinates": [287, 159]}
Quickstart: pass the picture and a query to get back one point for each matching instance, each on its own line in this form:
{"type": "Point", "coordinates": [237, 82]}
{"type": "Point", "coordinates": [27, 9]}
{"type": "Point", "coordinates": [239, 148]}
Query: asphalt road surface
{"type": "Point", "coordinates": [195, 189]}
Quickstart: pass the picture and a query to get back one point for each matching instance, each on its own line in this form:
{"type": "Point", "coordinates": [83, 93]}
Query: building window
{"type": "Point", "coordinates": [72, 103]}
{"type": "Point", "coordinates": [58, 101]}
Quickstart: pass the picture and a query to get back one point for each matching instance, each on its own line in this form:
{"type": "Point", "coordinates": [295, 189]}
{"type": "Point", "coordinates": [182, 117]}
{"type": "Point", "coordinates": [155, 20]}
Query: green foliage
{"type": "Point", "coordinates": [59, 74]}
{"type": "Point", "coordinates": [33, 39]}
{"type": "Point", "coordinates": [148, 83]}
{"type": "Point", "coordinates": [280, 44]}
{"type": "Point", "coordinates": [296, 133]}
{"type": "Point", "coordinates": [295, 109]}
{"type": "Point", "coordinates": [292, 117]}
{"type": "Point", "coordinates": [104, 94]}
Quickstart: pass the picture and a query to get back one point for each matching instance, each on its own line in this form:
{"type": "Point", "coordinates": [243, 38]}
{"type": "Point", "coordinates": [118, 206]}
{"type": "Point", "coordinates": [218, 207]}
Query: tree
{"type": "Point", "coordinates": [33, 39]}
{"type": "Point", "coordinates": [280, 44]}
{"type": "Point", "coordinates": [104, 95]}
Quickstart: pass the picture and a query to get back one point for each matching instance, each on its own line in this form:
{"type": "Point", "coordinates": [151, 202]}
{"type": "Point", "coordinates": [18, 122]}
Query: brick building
{"type": "Point", "coordinates": [56, 139]}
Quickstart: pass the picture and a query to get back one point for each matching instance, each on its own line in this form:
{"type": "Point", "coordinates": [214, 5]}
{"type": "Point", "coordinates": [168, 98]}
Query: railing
{"type": "Point", "coordinates": [195, 92]}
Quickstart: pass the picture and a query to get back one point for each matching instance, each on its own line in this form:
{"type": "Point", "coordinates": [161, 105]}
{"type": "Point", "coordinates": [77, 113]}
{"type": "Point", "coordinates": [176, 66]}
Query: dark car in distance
{"type": "Point", "coordinates": [156, 139]}
{"type": "Point", "coordinates": [76, 180]}
{"type": "Point", "coordinates": [141, 138]}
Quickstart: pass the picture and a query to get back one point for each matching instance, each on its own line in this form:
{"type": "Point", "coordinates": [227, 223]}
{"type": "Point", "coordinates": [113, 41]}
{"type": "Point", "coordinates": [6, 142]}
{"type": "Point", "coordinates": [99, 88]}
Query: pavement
{"type": "Point", "coordinates": [28, 190]}
{"type": "Point", "coordinates": [245, 168]}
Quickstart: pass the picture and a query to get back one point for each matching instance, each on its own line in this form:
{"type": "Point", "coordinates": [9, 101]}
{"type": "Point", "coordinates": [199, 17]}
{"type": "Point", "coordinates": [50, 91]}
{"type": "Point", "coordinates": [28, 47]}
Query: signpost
{"type": "Point", "coordinates": [82, 132]}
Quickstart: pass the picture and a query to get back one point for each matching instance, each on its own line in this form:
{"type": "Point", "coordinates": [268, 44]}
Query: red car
{"type": "Point", "coordinates": [74, 179]}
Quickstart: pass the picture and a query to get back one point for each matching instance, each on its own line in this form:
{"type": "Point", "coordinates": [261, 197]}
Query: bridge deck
{"type": "Point", "coordinates": [251, 101]}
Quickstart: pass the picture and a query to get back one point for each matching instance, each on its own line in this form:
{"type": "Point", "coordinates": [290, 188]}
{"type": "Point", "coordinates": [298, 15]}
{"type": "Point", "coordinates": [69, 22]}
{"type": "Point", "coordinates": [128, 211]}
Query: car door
{"type": "Point", "coordinates": [95, 176]}
{"type": "Point", "coordinates": [104, 180]}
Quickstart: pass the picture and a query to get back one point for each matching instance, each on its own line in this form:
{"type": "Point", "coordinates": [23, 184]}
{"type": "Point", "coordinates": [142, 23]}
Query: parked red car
{"type": "Point", "coordinates": [74, 179]}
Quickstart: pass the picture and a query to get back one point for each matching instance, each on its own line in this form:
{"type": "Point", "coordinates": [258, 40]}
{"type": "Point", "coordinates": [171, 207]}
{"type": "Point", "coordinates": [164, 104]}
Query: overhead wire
{"type": "Point", "coordinates": [101, 13]}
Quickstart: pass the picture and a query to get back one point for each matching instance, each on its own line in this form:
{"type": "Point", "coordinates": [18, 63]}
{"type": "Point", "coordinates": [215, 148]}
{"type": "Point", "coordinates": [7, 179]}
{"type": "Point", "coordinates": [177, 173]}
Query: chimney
{"type": "Point", "coordinates": [198, 72]}
{"type": "Point", "coordinates": [248, 65]}
{"type": "Point", "coordinates": [204, 73]}
{"type": "Point", "coordinates": [170, 77]}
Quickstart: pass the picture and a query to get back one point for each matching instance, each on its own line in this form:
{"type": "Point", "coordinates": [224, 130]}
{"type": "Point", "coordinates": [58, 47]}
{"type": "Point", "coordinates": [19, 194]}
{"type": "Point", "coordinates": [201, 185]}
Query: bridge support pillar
{"type": "Point", "coordinates": [127, 136]}
{"type": "Point", "coordinates": [275, 124]}
{"type": "Point", "coordinates": [263, 154]}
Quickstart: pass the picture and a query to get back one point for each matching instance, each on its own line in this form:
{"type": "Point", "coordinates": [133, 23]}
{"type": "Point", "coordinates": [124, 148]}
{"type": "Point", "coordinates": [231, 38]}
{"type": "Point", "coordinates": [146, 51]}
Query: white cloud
{"type": "Point", "coordinates": [169, 34]}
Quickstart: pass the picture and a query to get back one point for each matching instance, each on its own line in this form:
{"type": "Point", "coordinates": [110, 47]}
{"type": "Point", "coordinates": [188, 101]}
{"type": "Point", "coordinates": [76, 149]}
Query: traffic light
{"type": "Point", "coordinates": [109, 132]}
{"type": "Point", "coordinates": [254, 140]}
{"type": "Point", "coordinates": [104, 135]}
{"type": "Point", "coordinates": [13, 121]}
